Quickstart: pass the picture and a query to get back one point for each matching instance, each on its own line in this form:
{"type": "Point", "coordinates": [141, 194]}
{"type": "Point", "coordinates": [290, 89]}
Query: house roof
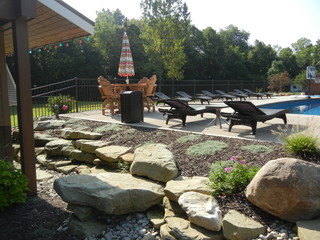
{"type": "Point", "coordinates": [55, 22]}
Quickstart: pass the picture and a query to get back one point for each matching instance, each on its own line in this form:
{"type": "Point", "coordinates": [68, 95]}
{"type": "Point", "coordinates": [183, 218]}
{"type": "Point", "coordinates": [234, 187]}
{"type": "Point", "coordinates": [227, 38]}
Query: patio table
{"type": "Point", "coordinates": [119, 87]}
{"type": "Point", "coordinates": [217, 107]}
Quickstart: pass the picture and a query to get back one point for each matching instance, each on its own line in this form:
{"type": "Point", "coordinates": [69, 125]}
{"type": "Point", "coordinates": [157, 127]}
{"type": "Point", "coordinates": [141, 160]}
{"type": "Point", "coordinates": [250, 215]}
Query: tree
{"type": "Point", "coordinates": [279, 82]}
{"type": "Point", "coordinates": [63, 61]}
{"type": "Point", "coordinates": [300, 79]}
{"type": "Point", "coordinates": [260, 58]}
{"type": "Point", "coordinates": [234, 60]}
{"type": "Point", "coordinates": [303, 50]}
{"type": "Point", "coordinates": [108, 32]}
{"type": "Point", "coordinates": [301, 44]}
{"type": "Point", "coordinates": [195, 51]}
{"type": "Point", "coordinates": [233, 36]}
{"type": "Point", "coordinates": [277, 67]}
{"type": "Point", "coordinates": [165, 30]}
{"type": "Point", "coordinates": [289, 61]}
{"type": "Point", "coordinates": [213, 54]}
{"type": "Point", "coordinates": [316, 55]}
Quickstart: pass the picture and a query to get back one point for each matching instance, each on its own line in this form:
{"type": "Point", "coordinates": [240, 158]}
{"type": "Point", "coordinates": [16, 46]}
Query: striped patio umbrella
{"type": "Point", "coordinates": [126, 68]}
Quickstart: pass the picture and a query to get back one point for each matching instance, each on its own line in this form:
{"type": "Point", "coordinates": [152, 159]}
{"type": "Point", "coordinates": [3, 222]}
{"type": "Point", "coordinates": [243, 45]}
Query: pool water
{"type": "Point", "coordinates": [305, 106]}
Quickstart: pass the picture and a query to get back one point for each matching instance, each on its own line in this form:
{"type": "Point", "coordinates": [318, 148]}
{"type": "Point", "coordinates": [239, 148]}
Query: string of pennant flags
{"type": "Point", "coordinates": [56, 46]}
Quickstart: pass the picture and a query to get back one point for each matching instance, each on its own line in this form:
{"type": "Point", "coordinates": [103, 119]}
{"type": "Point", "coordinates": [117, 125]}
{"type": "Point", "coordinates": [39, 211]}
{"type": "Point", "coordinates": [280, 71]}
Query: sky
{"type": "Point", "coordinates": [274, 22]}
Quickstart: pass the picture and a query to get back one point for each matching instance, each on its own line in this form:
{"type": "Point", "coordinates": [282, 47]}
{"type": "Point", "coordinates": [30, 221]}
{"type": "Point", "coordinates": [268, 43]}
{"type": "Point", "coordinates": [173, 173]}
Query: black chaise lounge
{"type": "Point", "coordinates": [202, 99]}
{"type": "Point", "coordinates": [160, 97]}
{"type": "Point", "coordinates": [210, 94]}
{"type": "Point", "coordinates": [180, 110]}
{"type": "Point", "coordinates": [225, 95]}
{"type": "Point", "coordinates": [246, 113]}
{"type": "Point", "coordinates": [255, 94]}
{"type": "Point", "coordinates": [267, 94]}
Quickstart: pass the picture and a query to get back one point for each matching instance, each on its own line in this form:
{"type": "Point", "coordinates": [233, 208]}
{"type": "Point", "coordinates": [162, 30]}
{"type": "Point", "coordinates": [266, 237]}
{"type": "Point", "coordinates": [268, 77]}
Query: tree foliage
{"type": "Point", "coordinates": [164, 31]}
{"type": "Point", "coordinates": [164, 42]}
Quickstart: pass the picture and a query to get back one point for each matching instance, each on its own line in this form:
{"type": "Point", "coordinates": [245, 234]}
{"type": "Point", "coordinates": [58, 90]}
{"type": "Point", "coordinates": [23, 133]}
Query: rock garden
{"type": "Point", "coordinates": [110, 181]}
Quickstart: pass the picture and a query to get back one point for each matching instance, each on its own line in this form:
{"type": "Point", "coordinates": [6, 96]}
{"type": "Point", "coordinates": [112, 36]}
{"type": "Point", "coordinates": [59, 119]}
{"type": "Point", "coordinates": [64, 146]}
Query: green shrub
{"type": "Point", "coordinates": [113, 127]}
{"type": "Point", "coordinates": [13, 185]}
{"type": "Point", "coordinates": [206, 148]}
{"type": "Point", "coordinates": [65, 103]}
{"type": "Point", "coordinates": [231, 177]}
{"type": "Point", "coordinates": [301, 144]}
{"type": "Point", "coordinates": [188, 138]}
{"type": "Point", "coordinates": [257, 149]}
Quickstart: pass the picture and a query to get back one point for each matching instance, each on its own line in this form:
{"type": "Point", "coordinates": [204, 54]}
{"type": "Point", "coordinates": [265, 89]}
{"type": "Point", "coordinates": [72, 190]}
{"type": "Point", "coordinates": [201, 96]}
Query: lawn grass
{"type": "Point", "coordinates": [41, 110]}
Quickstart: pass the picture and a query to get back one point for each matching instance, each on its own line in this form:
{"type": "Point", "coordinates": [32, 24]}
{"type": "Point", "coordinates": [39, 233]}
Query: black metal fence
{"type": "Point", "coordinates": [86, 95]}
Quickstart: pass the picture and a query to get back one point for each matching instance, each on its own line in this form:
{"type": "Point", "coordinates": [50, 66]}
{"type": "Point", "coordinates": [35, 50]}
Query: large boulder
{"type": "Point", "coordinates": [237, 226]}
{"type": "Point", "coordinates": [202, 210]}
{"type": "Point", "coordinates": [176, 187]}
{"type": "Point", "coordinates": [287, 188]}
{"type": "Point", "coordinates": [154, 161]}
{"type": "Point", "coordinates": [112, 193]}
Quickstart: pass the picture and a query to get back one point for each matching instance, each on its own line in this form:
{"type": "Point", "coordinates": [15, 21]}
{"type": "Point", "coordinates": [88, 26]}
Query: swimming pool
{"type": "Point", "coordinates": [305, 106]}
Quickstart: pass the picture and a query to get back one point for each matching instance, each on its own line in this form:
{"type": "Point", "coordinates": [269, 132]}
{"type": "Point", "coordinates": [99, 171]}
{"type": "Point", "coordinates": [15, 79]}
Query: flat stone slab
{"type": "Point", "coordinates": [111, 153]}
{"type": "Point", "coordinates": [309, 230]}
{"type": "Point", "coordinates": [183, 229]}
{"type": "Point", "coordinates": [237, 226]}
{"type": "Point", "coordinates": [43, 175]}
{"type": "Point", "coordinates": [176, 187]}
{"type": "Point", "coordinates": [60, 147]}
{"type": "Point", "coordinates": [68, 133]}
{"type": "Point", "coordinates": [48, 124]}
{"type": "Point", "coordinates": [112, 193]}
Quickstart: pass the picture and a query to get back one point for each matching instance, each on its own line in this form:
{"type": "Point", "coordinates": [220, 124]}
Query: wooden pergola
{"type": "Point", "coordinates": [24, 25]}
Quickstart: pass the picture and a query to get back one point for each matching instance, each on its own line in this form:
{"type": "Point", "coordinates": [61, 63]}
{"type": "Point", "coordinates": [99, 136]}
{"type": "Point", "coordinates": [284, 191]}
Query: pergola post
{"type": "Point", "coordinates": [5, 126]}
{"type": "Point", "coordinates": [24, 97]}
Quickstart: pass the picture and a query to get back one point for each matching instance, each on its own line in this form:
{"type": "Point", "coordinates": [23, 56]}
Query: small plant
{"type": "Point", "coordinates": [231, 177]}
{"type": "Point", "coordinates": [188, 138]}
{"type": "Point", "coordinates": [63, 103]}
{"type": "Point", "coordinates": [257, 149]}
{"type": "Point", "coordinates": [301, 144]}
{"type": "Point", "coordinates": [13, 185]}
{"type": "Point", "coordinates": [123, 166]}
{"type": "Point", "coordinates": [206, 148]}
{"type": "Point", "coordinates": [300, 139]}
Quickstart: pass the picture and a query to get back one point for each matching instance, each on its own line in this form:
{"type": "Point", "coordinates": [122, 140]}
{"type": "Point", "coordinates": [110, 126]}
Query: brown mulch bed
{"type": "Point", "coordinates": [41, 216]}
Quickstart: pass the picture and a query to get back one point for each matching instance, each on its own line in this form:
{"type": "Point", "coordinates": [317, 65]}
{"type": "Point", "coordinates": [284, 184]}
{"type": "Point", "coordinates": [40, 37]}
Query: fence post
{"type": "Point", "coordinates": [77, 92]}
{"type": "Point", "coordinates": [172, 89]}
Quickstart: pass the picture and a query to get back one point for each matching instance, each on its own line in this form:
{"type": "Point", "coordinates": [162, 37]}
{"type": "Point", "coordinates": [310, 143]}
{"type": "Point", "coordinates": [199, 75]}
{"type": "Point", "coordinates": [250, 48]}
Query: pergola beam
{"type": "Point", "coordinates": [24, 96]}
{"type": "Point", "coordinates": [5, 126]}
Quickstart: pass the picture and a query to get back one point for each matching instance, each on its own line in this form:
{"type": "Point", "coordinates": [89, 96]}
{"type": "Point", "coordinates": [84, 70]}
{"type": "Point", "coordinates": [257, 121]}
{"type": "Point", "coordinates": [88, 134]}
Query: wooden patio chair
{"type": "Point", "coordinates": [111, 98]}
{"type": "Point", "coordinates": [149, 92]}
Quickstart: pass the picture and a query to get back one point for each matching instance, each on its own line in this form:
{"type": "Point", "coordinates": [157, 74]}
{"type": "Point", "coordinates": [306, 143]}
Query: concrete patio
{"type": "Point", "coordinates": [205, 125]}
